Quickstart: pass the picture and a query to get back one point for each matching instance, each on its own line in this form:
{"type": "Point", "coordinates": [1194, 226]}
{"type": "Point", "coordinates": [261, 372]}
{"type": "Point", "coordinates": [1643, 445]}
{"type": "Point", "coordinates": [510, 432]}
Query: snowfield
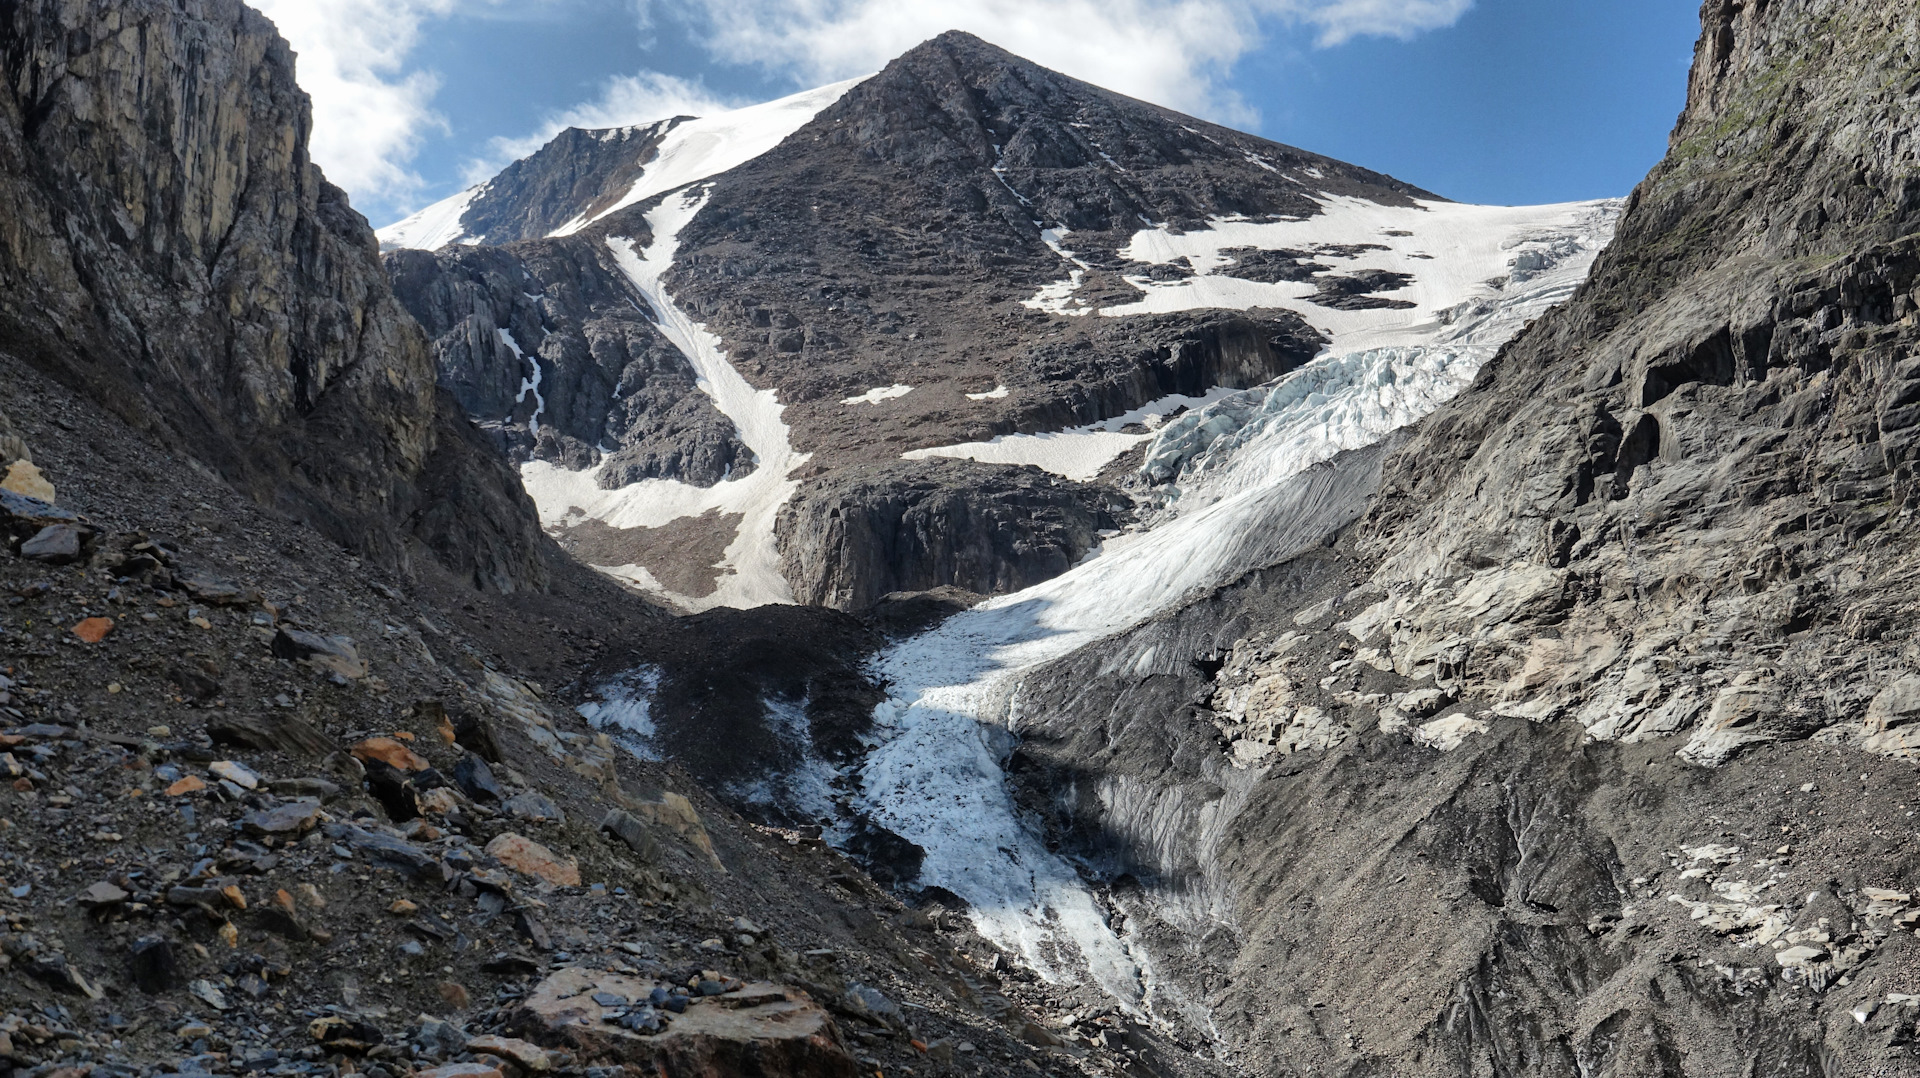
{"type": "Point", "coordinates": [1453, 251]}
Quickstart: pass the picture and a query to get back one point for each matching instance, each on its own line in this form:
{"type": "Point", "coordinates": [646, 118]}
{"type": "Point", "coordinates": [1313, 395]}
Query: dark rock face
{"type": "Point", "coordinates": [849, 539]}
{"type": "Point", "coordinates": [1484, 785]}
{"type": "Point", "coordinates": [169, 246]}
{"type": "Point", "coordinates": [606, 378]}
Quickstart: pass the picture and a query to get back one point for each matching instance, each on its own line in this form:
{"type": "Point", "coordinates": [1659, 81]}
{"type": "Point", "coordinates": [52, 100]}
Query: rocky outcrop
{"type": "Point", "coordinates": [547, 343]}
{"type": "Point", "coordinates": [169, 246]}
{"type": "Point", "coordinates": [852, 538]}
{"type": "Point", "coordinates": [1511, 776]}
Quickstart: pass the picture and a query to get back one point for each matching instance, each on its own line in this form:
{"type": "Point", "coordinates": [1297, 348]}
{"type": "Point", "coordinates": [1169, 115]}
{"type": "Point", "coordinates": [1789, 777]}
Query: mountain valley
{"type": "Point", "coordinates": [954, 572]}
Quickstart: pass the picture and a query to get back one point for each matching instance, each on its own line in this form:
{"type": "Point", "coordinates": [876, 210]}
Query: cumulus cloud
{"type": "Point", "coordinates": [369, 111]}
{"type": "Point", "coordinates": [623, 101]}
{"type": "Point", "coordinates": [1172, 52]}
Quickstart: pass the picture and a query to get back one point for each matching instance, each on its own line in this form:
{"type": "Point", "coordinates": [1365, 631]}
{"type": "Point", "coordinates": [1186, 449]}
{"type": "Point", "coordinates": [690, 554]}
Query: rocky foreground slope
{"type": "Point", "coordinates": [1586, 748]}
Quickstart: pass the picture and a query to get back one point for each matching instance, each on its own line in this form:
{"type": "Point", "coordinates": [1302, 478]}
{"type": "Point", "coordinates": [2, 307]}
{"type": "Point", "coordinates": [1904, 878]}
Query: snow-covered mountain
{"type": "Point", "coordinates": [799, 351]}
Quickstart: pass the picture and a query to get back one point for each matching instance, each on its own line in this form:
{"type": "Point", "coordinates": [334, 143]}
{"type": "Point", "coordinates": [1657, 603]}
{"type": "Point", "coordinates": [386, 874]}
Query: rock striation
{"type": "Point", "coordinates": [170, 247]}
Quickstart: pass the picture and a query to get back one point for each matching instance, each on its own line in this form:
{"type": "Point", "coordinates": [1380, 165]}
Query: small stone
{"type": "Point", "coordinates": [237, 773]}
{"type": "Point", "coordinates": [193, 1031]}
{"type": "Point", "coordinates": [93, 630]}
{"type": "Point", "coordinates": [55, 544]}
{"type": "Point", "coordinates": [460, 1070]}
{"type": "Point", "coordinates": [402, 908]}
{"type": "Point", "coordinates": [528, 805]}
{"type": "Point", "coordinates": [456, 995]}
{"type": "Point", "coordinates": [439, 801]}
{"type": "Point", "coordinates": [476, 780]}
{"type": "Point", "coordinates": [188, 785]}
{"type": "Point", "coordinates": [387, 751]}
{"type": "Point", "coordinates": [743, 924]}
{"type": "Point", "coordinates": [229, 934]}
{"type": "Point", "coordinates": [207, 993]}
{"type": "Point", "coordinates": [234, 896]}
{"type": "Point", "coordinates": [102, 895]}
{"type": "Point", "coordinates": [529, 858]}
{"type": "Point", "coordinates": [291, 818]}
{"type": "Point", "coordinates": [152, 963]}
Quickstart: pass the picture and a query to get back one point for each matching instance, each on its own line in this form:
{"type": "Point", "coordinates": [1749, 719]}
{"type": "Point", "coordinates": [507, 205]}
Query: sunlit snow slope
{"type": "Point", "coordinates": [1243, 501]}
{"type": "Point", "coordinates": [691, 151]}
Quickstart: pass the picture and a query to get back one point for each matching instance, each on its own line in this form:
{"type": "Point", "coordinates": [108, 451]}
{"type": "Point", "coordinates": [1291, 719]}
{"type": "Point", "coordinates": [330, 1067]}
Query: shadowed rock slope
{"type": "Point", "coordinates": [1588, 749]}
{"type": "Point", "coordinates": [169, 246]}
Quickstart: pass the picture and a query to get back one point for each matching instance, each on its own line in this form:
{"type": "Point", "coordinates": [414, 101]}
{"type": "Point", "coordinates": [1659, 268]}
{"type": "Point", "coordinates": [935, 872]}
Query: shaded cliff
{"type": "Point", "coordinates": [166, 243]}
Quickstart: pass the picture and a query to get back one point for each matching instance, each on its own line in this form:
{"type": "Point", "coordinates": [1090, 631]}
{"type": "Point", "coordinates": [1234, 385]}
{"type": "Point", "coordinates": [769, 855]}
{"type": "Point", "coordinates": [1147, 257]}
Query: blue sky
{"type": "Point", "coordinates": [1503, 101]}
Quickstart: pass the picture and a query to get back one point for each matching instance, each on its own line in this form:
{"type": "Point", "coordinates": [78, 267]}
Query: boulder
{"type": "Point", "coordinates": [529, 858]}
{"type": "Point", "coordinates": [55, 544]}
{"type": "Point", "coordinates": [1892, 726]}
{"type": "Point", "coordinates": [762, 1029]}
{"type": "Point", "coordinates": [386, 750]}
{"type": "Point", "coordinates": [333, 654]}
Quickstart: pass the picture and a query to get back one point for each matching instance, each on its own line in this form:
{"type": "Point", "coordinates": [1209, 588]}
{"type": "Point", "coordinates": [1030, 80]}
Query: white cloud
{"type": "Point", "coordinates": [1342, 20]}
{"type": "Point", "coordinates": [1172, 52]}
{"type": "Point", "coordinates": [624, 101]}
{"type": "Point", "coordinates": [369, 112]}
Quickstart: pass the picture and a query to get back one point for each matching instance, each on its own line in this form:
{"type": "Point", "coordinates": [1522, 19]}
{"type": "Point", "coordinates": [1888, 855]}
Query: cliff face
{"type": "Point", "coordinates": [1568, 758]}
{"type": "Point", "coordinates": [166, 243]}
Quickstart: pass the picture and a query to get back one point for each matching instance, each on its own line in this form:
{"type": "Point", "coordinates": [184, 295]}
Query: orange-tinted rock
{"type": "Point", "coordinates": [189, 785]}
{"type": "Point", "coordinates": [529, 858]}
{"type": "Point", "coordinates": [528, 1056]}
{"type": "Point", "coordinates": [390, 752]}
{"type": "Point", "coordinates": [93, 630]}
{"type": "Point", "coordinates": [762, 1029]}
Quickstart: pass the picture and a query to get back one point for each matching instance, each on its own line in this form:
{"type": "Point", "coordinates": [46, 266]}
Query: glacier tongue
{"type": "Point", "coordinates": [1249, 496]}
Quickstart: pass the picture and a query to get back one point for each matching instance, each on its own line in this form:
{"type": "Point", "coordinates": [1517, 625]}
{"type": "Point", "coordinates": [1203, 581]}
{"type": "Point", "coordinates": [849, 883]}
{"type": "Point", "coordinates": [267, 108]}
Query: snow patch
{"type": "Point", "coordinates": [529, 384]}
{"type": "Point", "coordinates": [431, 228]}
{"type": "Point", "coordinates": [1079, 453]}
{"type": "Point", "coordinates": [624, 711]}
{"type": "Point", "coordinates": [698, 149]}
{"type": "Point", "coordinates": [878, 394]}
{"type": "Point", "coordinates": [994, 394]}
{"type": "Point", "coordinates": [1058, 296]}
